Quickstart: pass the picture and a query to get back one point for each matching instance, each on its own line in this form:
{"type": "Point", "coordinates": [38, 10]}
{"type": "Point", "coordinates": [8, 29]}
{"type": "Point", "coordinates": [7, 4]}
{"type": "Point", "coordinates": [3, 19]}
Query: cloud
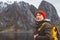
{"type": "Point", "coordinates": [57, 6]}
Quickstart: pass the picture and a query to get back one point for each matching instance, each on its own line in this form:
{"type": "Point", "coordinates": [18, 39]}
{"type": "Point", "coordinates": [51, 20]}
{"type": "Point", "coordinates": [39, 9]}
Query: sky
{"type": "Point", "coordinates": [36, 3]}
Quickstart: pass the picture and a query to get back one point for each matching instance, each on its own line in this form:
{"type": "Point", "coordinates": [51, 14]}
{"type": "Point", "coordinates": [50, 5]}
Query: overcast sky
{"type": "Point", "coordinates": [36, 3]}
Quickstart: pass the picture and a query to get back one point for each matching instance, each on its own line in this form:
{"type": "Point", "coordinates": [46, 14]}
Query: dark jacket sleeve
{"type": "Point", "coordinates": [47, 30]}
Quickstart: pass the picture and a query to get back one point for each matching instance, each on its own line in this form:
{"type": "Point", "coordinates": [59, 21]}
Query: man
{"type": "Point", "coordinates": [43, 29]}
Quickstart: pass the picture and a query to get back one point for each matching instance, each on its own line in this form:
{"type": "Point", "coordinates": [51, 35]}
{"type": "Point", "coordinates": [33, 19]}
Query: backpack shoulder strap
{"type": "Point", "coordinates": [43, 25]}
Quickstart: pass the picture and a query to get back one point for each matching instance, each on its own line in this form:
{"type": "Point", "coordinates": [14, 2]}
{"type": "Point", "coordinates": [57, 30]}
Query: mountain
{"type": "Point", "coordinates": [2, 6]}
{"type": "Point", "coordinates": [18, 18]}
{"type": "Point", "coordinates": [33, 9]}
{"type": "Point", "coordinates": [50, 10]}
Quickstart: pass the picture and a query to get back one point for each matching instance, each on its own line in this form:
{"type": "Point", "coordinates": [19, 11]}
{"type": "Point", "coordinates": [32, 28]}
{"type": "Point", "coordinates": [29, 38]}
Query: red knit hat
{"type": "Point", "coordinates": [42, 12]}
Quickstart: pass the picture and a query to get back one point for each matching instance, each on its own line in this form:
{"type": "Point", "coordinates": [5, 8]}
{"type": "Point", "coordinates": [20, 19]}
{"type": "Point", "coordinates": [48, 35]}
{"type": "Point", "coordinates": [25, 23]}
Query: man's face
{"type": "Point", "coordinates": [39, 17]}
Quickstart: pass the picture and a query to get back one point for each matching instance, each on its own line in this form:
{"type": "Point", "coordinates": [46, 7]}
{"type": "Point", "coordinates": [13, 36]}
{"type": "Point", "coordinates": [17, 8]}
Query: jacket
{"type": "Point", "coordinates": [45, 32]}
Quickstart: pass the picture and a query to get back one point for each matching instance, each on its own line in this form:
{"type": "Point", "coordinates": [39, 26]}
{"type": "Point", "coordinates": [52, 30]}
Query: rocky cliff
{"type": "Point", "coordinates": [50, 10]}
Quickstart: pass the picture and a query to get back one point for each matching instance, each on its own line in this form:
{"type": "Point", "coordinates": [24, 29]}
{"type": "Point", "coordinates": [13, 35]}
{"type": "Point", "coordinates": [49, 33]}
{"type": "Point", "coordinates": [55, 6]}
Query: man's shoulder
{"type": "Point", "coordinates": [46, 23]}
